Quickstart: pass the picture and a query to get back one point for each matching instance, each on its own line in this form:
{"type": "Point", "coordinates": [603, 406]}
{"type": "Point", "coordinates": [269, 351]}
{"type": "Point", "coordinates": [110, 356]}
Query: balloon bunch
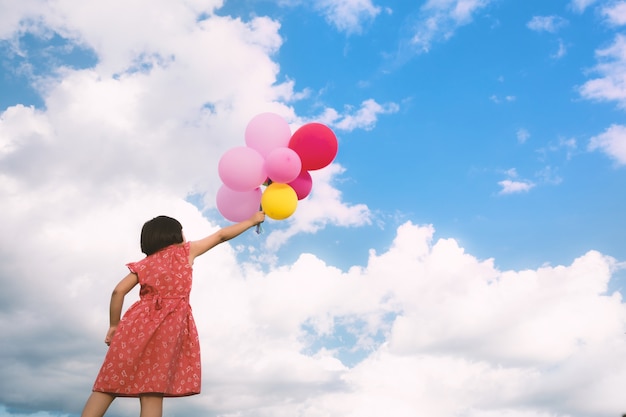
{"type": "Point", "coordinates": [276, 159]}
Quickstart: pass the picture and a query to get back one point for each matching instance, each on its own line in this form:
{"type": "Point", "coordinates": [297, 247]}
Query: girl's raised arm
{"type": "Point", "coordinates": [198, 247]}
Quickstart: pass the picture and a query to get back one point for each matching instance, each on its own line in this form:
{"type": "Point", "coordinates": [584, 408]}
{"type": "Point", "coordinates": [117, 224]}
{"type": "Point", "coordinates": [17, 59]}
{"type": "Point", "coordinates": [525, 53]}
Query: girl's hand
{"type": "Point", "coordinates": [110, 335]}
{"type": "Point", "coordinates": [259, 217]}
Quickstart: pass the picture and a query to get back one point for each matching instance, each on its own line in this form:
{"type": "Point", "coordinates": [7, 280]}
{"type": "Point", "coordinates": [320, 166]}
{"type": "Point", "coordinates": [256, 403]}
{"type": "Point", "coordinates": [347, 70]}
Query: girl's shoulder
{"type": "Point", "coordinates": [177, 248]}
{"type": "Point", "coordinates": [168, 250]}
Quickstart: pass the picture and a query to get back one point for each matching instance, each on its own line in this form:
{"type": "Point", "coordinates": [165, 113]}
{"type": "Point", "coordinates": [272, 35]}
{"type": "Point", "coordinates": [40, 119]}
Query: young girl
{"type": "Point", "coordinates": [153, 351]}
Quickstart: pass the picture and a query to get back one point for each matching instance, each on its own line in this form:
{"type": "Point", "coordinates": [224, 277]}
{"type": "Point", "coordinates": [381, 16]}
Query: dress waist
{"type": "Point", "coordinates": [158, 299]}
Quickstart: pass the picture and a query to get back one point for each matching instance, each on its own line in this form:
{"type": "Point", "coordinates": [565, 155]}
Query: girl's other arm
{"type": "Point", "coordinates": [117, 301]}
{"type": "Point", "coordinates": [198, 247]}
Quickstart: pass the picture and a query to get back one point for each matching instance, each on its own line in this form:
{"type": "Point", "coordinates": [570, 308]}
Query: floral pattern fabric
{"type": "Point", "coordinates": [156, 348]}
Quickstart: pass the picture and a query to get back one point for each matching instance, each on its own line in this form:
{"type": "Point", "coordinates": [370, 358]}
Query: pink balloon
{"type": "Point", "coordinates": [266, 132]}
{"type": "Point", "coordinates": [238, 206]}
{"type": "Point", "coordinates": [242, 169]}
{"type": "Point", "coordinates": [283, 165]}
{"type": "Point", "coordinates": [302, 185]}
{"type": "Point", "coordinates": [316, 144]}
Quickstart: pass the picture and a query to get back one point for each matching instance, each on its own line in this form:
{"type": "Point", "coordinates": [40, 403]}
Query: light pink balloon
{"type": "Point", "coordinates": [283, 165]}
{"type": "Point", "coordinates": [238, 206]}
{"type": "Point", "coordinates": [302, 185]}
{"type": "Point", "coordinates": [242, 169]}
{"type": "Point", "coordinates": [266, 132]}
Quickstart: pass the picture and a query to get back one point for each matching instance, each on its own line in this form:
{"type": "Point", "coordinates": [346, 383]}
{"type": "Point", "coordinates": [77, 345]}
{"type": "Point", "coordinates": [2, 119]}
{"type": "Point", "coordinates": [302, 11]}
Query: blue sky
{"type": "Point", "coordinates": [462, 256]}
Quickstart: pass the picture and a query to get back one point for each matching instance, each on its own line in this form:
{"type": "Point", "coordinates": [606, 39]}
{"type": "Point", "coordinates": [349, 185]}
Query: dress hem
{"type": "Point", "coordinates": [138, 394]}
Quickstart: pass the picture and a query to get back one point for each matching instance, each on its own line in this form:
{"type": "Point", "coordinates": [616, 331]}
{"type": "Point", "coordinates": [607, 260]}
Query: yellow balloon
{"type": "Point", "coordinates": [279, 201]}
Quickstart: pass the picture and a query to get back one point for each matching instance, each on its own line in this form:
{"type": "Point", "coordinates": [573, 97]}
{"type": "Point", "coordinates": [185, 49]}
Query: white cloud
{"type": "Point", "coordinates": [612, 142]}
{"type": "Point", "coordinates": [348, 15]}
{"type": "Point", "coordinates": [610, 85]}
{"type": "Point", "coordinates": [513, 187]}
{"type": "Point", "coordinates": [465, 337]}
{"type": "Point", "coordinates": [549, 175]}
{"type": "Point", "coordinates": [89, 24]}
{"type": "Point", "coordinates": [546, 23]}
{"type": "Point", "coordinates": [615, 13]}
{"type": "Point", "coordinates": [440, 19]}
{"type": "Point", "coordinates": [522, 135]}
{"type": "Point", "coordinates": [13, 17]}
{"type": "Point", "coordinates": [21, 125]}
{"type": "Point", "coordinates": [565, 146]}
{"type": "Point", "coordinates": [581, 5]}
{"type": "Point", "coordinates": [509, 99]}
{"type": "Point", "coordinates": [561, 51]}
{"type": "Point", "coordinates": [363, 118]}
{"type": "Point", "coordinates": [550, 24]}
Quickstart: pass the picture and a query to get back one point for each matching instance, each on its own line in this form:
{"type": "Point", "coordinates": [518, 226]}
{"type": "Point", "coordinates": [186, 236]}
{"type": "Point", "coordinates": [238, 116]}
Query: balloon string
{"type": "Point", "coordinates": [259, 229]}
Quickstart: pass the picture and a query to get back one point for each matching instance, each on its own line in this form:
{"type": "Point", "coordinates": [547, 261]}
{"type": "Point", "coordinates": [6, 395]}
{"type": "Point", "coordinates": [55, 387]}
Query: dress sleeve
{"type": "Point", "coordinates": [132, 267]}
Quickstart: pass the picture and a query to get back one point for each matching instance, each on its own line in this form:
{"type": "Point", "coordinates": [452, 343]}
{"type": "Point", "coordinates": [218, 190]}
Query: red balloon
{"type": "Point", "coordinates": [316, 144]}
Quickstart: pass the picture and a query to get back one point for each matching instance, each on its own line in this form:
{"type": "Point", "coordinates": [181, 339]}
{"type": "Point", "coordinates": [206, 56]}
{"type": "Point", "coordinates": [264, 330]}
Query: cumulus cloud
{"type": "Point", "coordinates": [612, 142]}
{"type": "Point", "coordinates": [438, 331]}
{"type": "Point", "coordinates": [506, 337]}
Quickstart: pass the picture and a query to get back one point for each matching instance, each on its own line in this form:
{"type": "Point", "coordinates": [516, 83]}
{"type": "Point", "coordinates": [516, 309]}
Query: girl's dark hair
{"type": "Point", "coordinates": [159, 233]}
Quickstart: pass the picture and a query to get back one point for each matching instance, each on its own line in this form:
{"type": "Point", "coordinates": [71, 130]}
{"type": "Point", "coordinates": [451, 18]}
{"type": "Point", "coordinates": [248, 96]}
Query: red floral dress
{"type": "Point", "coordinates": [155, 348]}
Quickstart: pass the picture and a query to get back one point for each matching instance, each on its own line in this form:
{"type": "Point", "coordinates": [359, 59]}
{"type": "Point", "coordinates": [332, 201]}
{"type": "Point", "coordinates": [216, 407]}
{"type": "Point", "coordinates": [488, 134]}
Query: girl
{"type": "Point", "coordinates": [153, 351]}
